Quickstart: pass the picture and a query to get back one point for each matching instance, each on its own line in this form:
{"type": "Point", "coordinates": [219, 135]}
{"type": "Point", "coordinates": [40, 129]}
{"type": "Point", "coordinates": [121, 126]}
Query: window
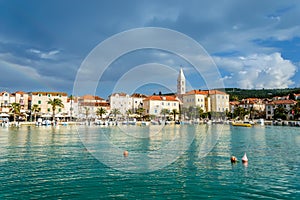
{"type": "Point", "coordinates": [59, 110]}
{"type": "Point", "coordinates": [40, 95]}
{"type": "Point", "coordinates": [48, 109]}
{"type": "Point", "coordinates": [39, 102]}
{"type": "Point", "coordinates": [49, 95]}
{"type": "Point", "coordinates": [162, 103]}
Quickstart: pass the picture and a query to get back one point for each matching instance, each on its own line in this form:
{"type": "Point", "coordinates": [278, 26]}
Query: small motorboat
{"type": "Point", "coordinates": [241, 124]}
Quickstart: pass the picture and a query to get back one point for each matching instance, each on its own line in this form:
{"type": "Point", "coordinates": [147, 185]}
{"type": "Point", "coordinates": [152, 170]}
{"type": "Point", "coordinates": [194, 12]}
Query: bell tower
{"type": "Point", "coordinates": [180, 83]}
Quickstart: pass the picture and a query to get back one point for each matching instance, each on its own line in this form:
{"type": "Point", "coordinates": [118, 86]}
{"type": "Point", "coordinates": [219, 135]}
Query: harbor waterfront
{"type": "Point", "coordinates": [60, 162]}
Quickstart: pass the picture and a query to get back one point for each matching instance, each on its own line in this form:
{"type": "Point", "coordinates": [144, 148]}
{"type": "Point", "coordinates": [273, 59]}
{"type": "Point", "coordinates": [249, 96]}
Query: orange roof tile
{"type": "Point", "coordinates": [206, 92]}
{"type": "Point", "coordinates": [52, 93]}
{"type": "Point", "coordinates": [279, 102]}
{"type": "Point", "coordinates": [161, 98]}
{"type": "Point", "coordinates": [91, 97]}
{"type": "Point", "coordinates": [138, 95]}
{"type": "Point", "coordinates": [98, 104]}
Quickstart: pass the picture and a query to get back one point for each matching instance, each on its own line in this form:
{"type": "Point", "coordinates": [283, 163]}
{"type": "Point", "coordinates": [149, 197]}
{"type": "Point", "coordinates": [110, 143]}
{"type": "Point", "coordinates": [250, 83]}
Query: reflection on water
{"type": "Point", "coordinates": [181, 162]}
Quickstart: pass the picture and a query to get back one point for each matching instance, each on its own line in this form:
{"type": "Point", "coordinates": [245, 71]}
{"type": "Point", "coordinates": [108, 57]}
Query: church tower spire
{"type": "Point", "coordinates": [181, 83]}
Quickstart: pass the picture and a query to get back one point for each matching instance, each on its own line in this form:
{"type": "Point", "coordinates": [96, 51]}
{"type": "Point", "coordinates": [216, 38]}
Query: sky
{"type": "Point", "coordinates": [46, 45]}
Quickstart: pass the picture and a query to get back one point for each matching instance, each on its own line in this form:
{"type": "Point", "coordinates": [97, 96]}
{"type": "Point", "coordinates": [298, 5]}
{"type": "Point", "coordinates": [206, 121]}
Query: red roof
{"type": "Point", "coordinates": [281, 102]}
{"type": "Point", "coordinates": [98, 104]}
{"type": "Point", "coordinates": [206, 92]}
{"type": "Point", "coordinates": [120, 94]}
{"type": "Point", "coordinates": [161, 98]}
{"type": "Point", "coordinates": [197, 92]}
{"type": "Point", "coordinates": [52, 93]}
{"type": "Point", "coordinates": [138, 95]}
{"type": "Point", "coordinates": [234, 103]}
{"type": "Point", "coordinates": [91, 97]}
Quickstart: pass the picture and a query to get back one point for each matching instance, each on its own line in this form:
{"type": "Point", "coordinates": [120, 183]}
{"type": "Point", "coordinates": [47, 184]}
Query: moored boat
{"type": "Point", "coordinates": [241, 124]}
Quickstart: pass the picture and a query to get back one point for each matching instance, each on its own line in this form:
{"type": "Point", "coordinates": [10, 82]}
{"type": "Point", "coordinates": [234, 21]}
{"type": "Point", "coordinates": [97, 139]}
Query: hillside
{"type": "Point", "coordinates": [259, 93]}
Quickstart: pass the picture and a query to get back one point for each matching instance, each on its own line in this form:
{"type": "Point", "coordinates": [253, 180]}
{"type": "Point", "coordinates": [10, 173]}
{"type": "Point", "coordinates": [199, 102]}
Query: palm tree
{"type": "Point", "coordinates": [35, 109]}
{"type": "Point", "coordinates": [115, 112]}
{"type": "Point", "coordinates": [55, 103]}
{"type": "Point", "coordinates": [164, 112]}
{"type": "Point", "coordinates": [296, 110]}
{"type": "Point", "coordinates": [128, 112]}
{"type": "Point", "coordinates": [240, 112]}
{"type": "Point", "coordinates": [200, 111]}
{"type": "Point", "coordinates": [140, 111]}
{"type": "Point", "coordinates": [183, 112]}
{"type": "Point", "coordinates": [280, 112]}
{"type": "Point", "coordinates": [86, 111]}
{"type": "Point", "coordinates": [174, 112]}
{"type": "Point", "coordinates": [71, 97]}
{"type": "Point", "coordinates": [15, 108]}
{"type": "Point", "coordinates": [100, 112]}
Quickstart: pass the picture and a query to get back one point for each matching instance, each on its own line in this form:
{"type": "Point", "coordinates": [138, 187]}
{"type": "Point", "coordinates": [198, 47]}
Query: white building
{"type": "Point", "coordinates": [89, 104]}
{"type": "Point", "coordinates": [121, 102]}
{"type": "Point", "coordinates": [219, 101]}
{"type": "Point", "coordinates": [5, 102]}
{"type": "Point", "coordinates": [208, 100]}
{"type": "Point", "coordinates": [41, 99]}
{"type": "Point", "coordinates": [6, 99]}
{"type": "Point", "coordinates": [197, 98]}
{"type": "Point", "coordinates": [153, 105]}
{"type": "Point", "coordinates": [137, 101]}
{"type": "Point", "coordinates": [272, 105]}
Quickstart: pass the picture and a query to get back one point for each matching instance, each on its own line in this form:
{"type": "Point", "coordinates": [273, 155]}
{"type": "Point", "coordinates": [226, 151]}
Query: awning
{"type": "Point", "coordinates": [46, 115]}
{"type": "Point", "coordinates": [4, 115]}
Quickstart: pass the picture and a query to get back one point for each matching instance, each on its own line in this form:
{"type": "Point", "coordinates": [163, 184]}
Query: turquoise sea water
{"type": "Point", "coordinates": [59, 163]}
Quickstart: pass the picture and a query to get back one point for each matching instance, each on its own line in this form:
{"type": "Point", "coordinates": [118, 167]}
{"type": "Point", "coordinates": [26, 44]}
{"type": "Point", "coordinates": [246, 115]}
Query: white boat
{"type": "Point", "coordinates": [145, 123]}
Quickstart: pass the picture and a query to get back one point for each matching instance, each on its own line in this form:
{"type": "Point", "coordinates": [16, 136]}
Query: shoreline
{"type": "Point", "coordinates": [142, 123]}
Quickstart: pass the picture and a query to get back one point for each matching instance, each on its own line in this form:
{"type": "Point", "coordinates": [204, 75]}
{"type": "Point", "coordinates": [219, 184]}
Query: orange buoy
{"type": "Point", "coordinates": [125, 153]}
{"type": "Point", "coordinates": [233, 159]}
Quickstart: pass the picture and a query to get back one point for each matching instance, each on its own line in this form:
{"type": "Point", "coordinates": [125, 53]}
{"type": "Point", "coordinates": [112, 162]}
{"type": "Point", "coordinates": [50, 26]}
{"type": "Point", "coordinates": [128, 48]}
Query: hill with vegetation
{"type": "Point", "coordinates": [238, 94]}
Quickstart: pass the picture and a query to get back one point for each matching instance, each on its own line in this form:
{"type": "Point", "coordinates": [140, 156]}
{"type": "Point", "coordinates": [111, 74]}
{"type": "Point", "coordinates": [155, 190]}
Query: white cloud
{"type": "Point", "coordinates": [44, 55]}
{"type": "Point", "coordinates": [257, 71]}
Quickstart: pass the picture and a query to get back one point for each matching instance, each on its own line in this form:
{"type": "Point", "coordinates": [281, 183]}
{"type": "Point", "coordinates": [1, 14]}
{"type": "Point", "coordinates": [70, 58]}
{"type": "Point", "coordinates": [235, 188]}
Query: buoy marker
{"type": "Point", "coordinates": [245, 159]}
{"type": "Point", "coordinates": [125, 153]}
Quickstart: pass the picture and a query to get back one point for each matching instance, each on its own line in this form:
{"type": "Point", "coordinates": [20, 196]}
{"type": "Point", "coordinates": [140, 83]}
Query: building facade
{"type": "Point", "coordinates": [120, 101]}
{"type": "Point", "coordinates": [88, 106]}
{"type": "Point", "coordinates": [154, 105]}
{"type": "Point", "coordinates": [219, 101]}
{"type": "Point", "coordinates": [197, 98]}
{"type": "Point", "coordinates": [137, 101]}
{"type": "Point", "coordinates": [41, 99]}
{"type": "Point", "coordinates": [286, 104]}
